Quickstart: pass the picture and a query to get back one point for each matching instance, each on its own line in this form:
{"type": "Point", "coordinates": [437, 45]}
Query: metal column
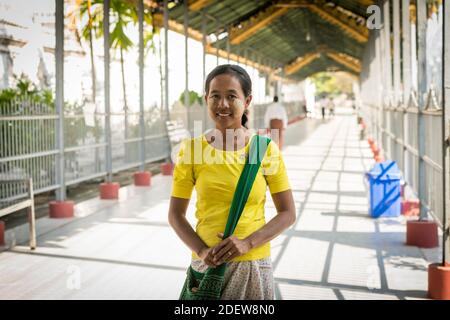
{"type": "Point", "coordinates": [406, 57]}
{"type": "Point", "coordinates": [217, 43]}
{"type": "Point", "coordinates": [446, 131]}
{"type": "Point", "coordinates": [106, 45]}
{"type": "Point", "coordinates": [396, 31]}
{"type": "Point", "coordinates": [422, 91]}
{"type": "Point", "coordinates": [59, 99]}
{"type": "Point", "coordinates": [406, 70]}
{"type": "Point", "coordinates": [141, 82]}
{"type": "Point", "coordinates": [228, 44]}
{"type": "Point", "coordinates": [387, 49]}
{"type": "Point", "coordinates": [205, 115]}
{"type": "Point", "coordinates": [186, 65]}
{"type": "Point", "coordinates": [166, 59]}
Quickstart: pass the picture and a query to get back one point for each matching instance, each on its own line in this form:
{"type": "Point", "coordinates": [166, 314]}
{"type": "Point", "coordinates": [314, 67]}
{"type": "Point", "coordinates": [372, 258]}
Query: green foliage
{"type": "Point", "coordinates": [194, 97]}
{"type": "Point", "coordinates": [331, 84]}
{"type": "Point", "coordinates": [25, 88]}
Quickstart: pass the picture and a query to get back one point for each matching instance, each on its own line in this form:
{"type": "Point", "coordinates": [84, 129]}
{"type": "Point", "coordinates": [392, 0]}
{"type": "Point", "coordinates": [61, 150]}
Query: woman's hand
{"type": "Point", "coordinates": [206, 255]}
{"type": "Point", "coordinates": [229, 249]}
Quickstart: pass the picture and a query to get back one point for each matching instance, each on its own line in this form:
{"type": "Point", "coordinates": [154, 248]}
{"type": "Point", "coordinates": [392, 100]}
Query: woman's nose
{"type": "Point", "coordinates": [224, 103]}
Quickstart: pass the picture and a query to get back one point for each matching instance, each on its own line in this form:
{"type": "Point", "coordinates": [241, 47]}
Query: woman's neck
{"type": "Point", "coordinates": [228, 138]}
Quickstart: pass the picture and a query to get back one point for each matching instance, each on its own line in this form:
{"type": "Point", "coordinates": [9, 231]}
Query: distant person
{"type": "Point", "coordinates": [323, 105]}
{"type": "Point", "coordinates": [276, 119]}
{"type": "Point", "coordinates": [332, 106]}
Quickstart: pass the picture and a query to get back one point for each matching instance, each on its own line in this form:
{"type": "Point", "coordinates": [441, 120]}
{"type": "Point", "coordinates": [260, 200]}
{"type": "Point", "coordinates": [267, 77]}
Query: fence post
{"type": "Point", "coordinates": [439, 273]}
{"type": "Point", "coordinates": [186, 65]}
{"type": "Point", "coordinates": [422, 91]}
{"type": "Point", "coordinates": [108, 189]}
{"type": "Point", "coordinates": [166, 58]}
{"type": "Point", "coordinates": [59, 97]}
{"type": "Point", "coordinates": [406, 64]}
{"type": "Point", "coordinates": [421, 233]}
{"type": "Point", "coordinates": [446, 131]}
{"type": "Point", "coordinates": [142, 177]}
{"type": "Point", "coordinates": [60, 208]}
{"type": "Point", "coordinates": [205, 113]}
{"type": "Point", "coordinates": [396, 31]}
{"type": "Point", "coordinates": [141, 81]}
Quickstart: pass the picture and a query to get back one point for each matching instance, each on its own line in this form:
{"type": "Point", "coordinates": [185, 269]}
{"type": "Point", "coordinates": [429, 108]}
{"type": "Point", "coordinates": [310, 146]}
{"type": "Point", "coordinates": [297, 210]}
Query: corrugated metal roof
{"type": "Point", "coordinates": [296, 32]}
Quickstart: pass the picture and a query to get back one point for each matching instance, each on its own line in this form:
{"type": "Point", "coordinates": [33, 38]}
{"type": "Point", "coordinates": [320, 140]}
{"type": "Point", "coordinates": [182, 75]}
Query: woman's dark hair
{"type": "Point", "coordinates": [240, 74]}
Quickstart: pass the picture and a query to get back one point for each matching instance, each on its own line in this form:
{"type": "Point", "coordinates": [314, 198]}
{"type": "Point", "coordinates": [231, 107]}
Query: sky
{"type": "Point", "coordinates": [77, 68]}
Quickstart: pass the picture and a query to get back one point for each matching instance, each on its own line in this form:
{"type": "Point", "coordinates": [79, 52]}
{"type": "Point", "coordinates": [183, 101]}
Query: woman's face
{"type": "Point", "coordinates": [226, 101]}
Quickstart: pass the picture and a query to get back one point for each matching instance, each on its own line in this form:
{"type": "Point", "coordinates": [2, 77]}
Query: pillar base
{"type": "Point", "coordinates": [411, 207]}
{"type": "Point", "coordinates": [109, 190]}
{"type": "Point", "coordinates": [167, 169]}
{"type": "Point", "coordinates": [61, 209]}
{"type": "Point", "coordinates": [142, 178]}
{"type": "Point", "coordinates": [422, 233]}
{"type": "Point", "coordinates": [439, 281]}
{"type": "Point", "coordinates": [2, 233]}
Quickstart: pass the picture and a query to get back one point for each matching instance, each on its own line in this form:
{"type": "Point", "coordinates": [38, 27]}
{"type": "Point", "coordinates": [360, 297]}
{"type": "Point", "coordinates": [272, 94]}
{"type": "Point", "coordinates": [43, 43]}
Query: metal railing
{"type": "Point", "coordinates": [399, 127]}
{"type": "Point", "coordinates": [28, 139]}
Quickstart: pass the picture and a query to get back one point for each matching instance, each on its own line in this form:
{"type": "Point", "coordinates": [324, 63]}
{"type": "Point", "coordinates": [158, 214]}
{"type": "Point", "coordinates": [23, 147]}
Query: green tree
{"type": "Point", "coordinates": [91, 13]}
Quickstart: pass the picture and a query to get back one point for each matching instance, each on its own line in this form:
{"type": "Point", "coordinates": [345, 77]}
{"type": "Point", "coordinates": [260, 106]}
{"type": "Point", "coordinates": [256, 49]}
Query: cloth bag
{"type": "Point", "coordinates": [208, 285]}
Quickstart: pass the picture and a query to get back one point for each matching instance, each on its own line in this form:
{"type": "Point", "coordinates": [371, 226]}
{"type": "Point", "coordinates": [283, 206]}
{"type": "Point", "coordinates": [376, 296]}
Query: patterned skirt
{"type": "Point", "coordinates": [245, 280]}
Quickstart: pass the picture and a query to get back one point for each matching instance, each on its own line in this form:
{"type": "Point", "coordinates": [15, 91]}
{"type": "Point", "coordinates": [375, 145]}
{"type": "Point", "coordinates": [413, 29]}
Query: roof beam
{"type": "Point", "coordinates": [176, 27]}
{"type": "Point", "coordinates": [255, 23]}
{"type": "Point", "coordinates": [333, 16]}
{"type": "Point", "coordinates": [345, 60]}
{"type": "Point", "coordinates": [224, 54]}
{"type": "Point", "coordinates": [196, 5]}
{"type": "Point", "coordinates": [194, 34]}
{"type": "Point", "coordinates": [300, 63]}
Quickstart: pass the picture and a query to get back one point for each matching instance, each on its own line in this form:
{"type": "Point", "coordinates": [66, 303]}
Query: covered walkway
{"type": "Point", "coordinates": [124, 76]}
{"type": "Point", "coordinates": [125, 249]}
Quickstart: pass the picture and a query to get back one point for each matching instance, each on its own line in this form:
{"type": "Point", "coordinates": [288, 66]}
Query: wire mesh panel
{"type": "Point", "coordinates": [433, 163]}
{"type": "Point", "coordinates": [84, 144]}
{"type": "Point", "coordinates": [411, 142]}
{"type": "Point", "coordinates": [397, 130]}
{"type": "Point", "coordinates": [27, 146]}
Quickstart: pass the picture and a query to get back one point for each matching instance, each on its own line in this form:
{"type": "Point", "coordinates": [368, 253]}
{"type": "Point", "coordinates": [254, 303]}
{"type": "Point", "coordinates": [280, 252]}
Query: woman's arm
{"type": "Point", "coordinates": [182, 227]}
{"type": "Point", "coordinates": [284, 203]}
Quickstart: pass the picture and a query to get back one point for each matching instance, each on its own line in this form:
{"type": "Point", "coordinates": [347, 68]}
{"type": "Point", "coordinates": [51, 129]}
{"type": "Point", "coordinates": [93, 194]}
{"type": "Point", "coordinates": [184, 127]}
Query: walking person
{"type": "Point", "coordinates": [275, 120]}
{"type": "Point", "coordinates": [246, 252]}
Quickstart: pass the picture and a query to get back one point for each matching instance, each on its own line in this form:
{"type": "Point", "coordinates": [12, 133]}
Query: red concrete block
{"type": "Point", "coordinates": [410, 207]}
{"type": "Point", "coordinates": [422, 233]}
{"type": "Point", "coordinates": [439, 281]}
{"type": "Point", "coordinates": [142, 178]}
{"type": "Point", "coordinates": [109, 190]}
{"type": "Point", "coordinates": [61, 209]}
{"type": "Point", "coordinates": [167, 169]}
{"type": "Point", "coordinates": [2, 233]}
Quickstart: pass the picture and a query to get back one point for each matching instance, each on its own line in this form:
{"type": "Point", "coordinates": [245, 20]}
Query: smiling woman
{"type": "Point", "coordinates": [246, 253]}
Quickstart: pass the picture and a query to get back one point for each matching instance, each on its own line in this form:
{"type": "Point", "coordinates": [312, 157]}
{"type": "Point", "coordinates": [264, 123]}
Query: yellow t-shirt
{"type": "Point", "coordinates": [215, 173]}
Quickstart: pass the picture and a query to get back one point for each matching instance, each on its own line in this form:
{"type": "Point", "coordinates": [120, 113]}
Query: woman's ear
{"type": "Point", "coordinates": [248, 100]}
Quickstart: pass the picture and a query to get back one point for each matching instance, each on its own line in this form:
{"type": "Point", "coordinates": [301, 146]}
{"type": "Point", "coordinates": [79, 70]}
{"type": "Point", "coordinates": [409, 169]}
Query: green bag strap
{"type": "Point", "coordinates": [258, 147]}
